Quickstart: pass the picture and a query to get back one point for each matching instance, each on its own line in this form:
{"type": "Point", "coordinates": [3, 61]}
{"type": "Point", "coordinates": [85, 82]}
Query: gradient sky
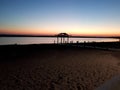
{"type": "Point", "coordinates": [78, 17]}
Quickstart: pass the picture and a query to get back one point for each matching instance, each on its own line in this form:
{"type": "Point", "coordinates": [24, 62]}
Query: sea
{"type": "Point", "coordinates": [48, 40]}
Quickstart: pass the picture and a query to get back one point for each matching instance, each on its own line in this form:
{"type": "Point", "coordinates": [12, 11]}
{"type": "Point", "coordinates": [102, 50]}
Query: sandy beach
{"type": "Point", "coordinates": [58, 69]}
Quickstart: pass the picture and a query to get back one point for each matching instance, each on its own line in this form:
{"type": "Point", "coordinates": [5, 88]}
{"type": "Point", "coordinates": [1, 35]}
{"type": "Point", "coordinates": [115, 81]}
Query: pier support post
{"type": "Point", "coordinates": [63, 37]}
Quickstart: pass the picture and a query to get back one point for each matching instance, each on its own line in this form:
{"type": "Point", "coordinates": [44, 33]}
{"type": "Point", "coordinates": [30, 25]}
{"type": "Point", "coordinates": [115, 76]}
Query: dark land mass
{"type": "Point", "coordinates": [77, 66]}
{"type": "Point", "coordinates": [71, 36]}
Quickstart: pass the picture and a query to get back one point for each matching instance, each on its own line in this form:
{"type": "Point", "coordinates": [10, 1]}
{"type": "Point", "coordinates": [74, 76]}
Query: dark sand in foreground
{"type": "Point", "coordinates": [59, 69]}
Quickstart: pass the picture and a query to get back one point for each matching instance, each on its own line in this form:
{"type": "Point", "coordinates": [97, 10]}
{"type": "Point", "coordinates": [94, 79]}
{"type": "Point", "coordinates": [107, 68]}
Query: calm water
{"type": "Point", "coordinates": [41, 40]}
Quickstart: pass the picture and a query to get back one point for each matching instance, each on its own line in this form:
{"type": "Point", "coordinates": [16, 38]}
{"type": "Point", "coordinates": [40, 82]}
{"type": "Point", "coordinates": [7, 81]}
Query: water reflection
{"type": "Point", "coordinates": [42, 40]}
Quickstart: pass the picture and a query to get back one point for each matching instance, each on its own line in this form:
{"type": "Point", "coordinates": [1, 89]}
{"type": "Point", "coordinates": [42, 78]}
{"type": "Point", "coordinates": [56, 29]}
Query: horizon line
{"type": "Point", "coordinates": [55, 35]}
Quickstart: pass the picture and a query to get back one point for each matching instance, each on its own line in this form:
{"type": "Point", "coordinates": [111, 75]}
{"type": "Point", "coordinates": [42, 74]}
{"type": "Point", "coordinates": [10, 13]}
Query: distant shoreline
{"type": "Point", "coordinates": [71, 36]}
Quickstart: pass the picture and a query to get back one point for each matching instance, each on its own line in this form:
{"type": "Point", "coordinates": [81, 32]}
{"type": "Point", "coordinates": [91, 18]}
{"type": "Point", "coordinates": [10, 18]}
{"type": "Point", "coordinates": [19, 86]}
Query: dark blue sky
{"type": "Point", "coordinates": [54, 16]}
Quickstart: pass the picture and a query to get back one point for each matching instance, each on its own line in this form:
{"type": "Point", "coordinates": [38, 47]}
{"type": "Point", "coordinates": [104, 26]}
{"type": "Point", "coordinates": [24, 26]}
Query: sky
{"type": "Point", "coordinates": [77, 17]}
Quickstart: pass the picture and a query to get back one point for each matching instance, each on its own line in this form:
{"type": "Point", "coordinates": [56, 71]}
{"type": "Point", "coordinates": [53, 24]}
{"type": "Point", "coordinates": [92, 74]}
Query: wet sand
{"type": "Point", "coordinates": [58, 69]}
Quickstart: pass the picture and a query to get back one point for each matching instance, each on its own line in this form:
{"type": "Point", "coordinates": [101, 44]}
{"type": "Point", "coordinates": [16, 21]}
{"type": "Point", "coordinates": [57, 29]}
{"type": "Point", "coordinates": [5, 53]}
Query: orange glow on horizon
{"type": "Point", "coordinates": [72, 30]}
{"type": "Point", "coordinates": [41, 32]}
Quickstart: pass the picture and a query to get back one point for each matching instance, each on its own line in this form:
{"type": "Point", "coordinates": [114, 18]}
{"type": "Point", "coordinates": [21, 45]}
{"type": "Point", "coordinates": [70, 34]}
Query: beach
{"type": "Point", "coordinates": [45, 68]}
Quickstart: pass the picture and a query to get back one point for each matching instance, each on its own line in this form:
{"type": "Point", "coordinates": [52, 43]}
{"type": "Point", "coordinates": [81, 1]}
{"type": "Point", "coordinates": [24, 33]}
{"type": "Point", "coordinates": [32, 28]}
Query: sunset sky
{"type": "Point", "coordinates": [77, 17]}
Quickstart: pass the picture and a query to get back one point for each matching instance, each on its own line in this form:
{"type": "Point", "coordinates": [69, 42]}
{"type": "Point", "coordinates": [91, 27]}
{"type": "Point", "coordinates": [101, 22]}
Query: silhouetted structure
{"type": "Point", "coordinates": [64, 38]}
